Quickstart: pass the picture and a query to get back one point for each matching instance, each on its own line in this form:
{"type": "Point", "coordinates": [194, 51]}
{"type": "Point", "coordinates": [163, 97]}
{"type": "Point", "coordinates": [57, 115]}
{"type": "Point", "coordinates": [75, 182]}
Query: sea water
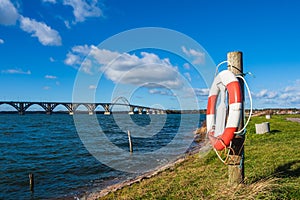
{"type": "Point", "coordinates": [50, 147]}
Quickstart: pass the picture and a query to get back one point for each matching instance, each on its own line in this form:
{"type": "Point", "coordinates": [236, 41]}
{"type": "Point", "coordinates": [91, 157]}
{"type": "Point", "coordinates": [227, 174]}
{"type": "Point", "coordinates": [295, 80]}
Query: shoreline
{"type": "Point", "coordinates": [91, 195]}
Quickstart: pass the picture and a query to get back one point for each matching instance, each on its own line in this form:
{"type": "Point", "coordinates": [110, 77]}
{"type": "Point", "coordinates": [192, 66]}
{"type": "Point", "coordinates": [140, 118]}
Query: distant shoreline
{"type": "Point", "coordinates": [102, 112]}
{"type": "Point", "coordinates": [256, 112]}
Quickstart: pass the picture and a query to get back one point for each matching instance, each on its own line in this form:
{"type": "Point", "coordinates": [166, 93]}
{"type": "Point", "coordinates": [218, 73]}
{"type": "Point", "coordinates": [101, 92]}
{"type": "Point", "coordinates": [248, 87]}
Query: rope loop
{"type": "Point", "coordinates": [226, 151]}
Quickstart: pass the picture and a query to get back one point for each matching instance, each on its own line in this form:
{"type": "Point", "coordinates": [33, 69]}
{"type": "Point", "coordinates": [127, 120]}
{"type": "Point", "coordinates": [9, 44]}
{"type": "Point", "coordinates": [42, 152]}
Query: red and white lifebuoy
{"type": "Point", "coordinates": [227, 79]}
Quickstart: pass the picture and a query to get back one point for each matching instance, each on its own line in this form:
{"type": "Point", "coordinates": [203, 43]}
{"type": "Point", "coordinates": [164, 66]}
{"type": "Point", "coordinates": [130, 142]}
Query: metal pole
{"type": "Point", "coordinates": [236, 155]}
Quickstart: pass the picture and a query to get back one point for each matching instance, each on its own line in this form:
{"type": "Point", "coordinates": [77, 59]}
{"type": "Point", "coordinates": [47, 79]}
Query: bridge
{"type": "Point", "coordinates": [23, 106]}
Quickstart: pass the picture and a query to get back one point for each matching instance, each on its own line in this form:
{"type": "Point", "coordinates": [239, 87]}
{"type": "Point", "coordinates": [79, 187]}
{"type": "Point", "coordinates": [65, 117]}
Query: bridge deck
{"type": "Point", "coordinates": [22, 106]}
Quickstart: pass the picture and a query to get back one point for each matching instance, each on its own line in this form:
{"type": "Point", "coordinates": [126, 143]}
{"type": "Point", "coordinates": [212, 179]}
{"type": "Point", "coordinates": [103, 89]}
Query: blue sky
{"type": "Point", "coordinates": [44, 42]}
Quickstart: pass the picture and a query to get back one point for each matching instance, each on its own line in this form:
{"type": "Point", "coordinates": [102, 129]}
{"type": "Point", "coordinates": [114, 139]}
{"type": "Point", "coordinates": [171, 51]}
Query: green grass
{"type": "Point", "coordinates": [272, 170]}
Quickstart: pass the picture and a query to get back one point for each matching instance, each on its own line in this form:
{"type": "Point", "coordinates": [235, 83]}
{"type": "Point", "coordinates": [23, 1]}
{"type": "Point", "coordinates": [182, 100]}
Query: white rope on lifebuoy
{"type": "Point", "coordinates": [225, 78]}
{"type": "Point", "coordinates": [251, 106]}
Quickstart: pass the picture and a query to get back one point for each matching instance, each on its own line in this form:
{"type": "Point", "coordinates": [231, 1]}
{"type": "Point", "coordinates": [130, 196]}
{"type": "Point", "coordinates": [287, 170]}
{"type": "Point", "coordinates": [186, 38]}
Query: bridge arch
{"type": "Point", "coordinates": [56, 106]}
{"type": "Point", "coordinates": [123, 99]}
{"type": "Point", "coordinates": [99, 107]}
{"type": "Point", "coordinates": [90, 107]}
{"type": "Point", "coordinates": [27, 106]}
{"type": "Point", "coordinates": [10, 105]}
{"type": "Point", "coordinates": [124, 102]}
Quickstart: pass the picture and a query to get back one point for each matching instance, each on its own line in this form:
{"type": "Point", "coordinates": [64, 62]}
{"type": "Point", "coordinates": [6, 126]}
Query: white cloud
{"type": "Point", "coordinates": [197, 56]}
{"type": "Point", "coordinates": [104, 56]}
{"type": "Point", "coordinates": [67, 24]}
{"type": "Point", "coordinates": [16, 71]}
{"type": "Point", "coordinates": [272, 95]}
{"type": "Point", "coordinates": [186, 66]}
{"type": "Point", "coordinates": [83, 49]}
{"type": "Point", "coordinates": [161, 92]}
{"type": "Point", "coordinates": [147, 69]}
{"type": "Point", "coordinates": [265, 94]}
{"type": "Point", "coordinates": [72, 59]}
{"type": "Point", "coordinates": [285, 97]}
{"type": "Point", "coordinates": [77, 55]}
{"type": "Point", "coordinates": [260, 94]}
{"type": "Point", "coordinates": [201, 91]}
{"type": "Point", "coordinates": [86, 67]}
{"type": "Point", "coordinates": [50, 77]}
{"type": "Point", "coordinates": [291, 93]}
{"type": "Point", "coordinates": [291, 88]}
{"type": "Point", "coordinates": [52, 59]}
{"type": "Point", "coordinates": [45, 34]}
{"type": "Point", "coordinates": [83, 9]}
{"type": "Point", "coordinates": [8, 13]}
{"type": "Point", "coordinates": [1, 41]}
{"type": "Point", "coordinates": [46, 88]}
{"type": "Point", "coordinates": [49, 1]}
{"type": "Point", "coordinates": [92, 87]}
{"type": "Point", "coordinates": [188, 76]}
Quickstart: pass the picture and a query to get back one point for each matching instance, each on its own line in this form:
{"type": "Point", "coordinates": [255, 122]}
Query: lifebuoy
{"type": "Point", "coordinates": [225, 78]}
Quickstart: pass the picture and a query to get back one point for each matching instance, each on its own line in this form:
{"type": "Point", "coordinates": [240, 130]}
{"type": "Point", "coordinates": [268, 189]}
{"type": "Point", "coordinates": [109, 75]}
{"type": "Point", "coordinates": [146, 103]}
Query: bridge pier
{"type": "Point", "coordinates": [21, 113]}
{"type": "Point", "coordinates": [91, 108]}
{"type": "Point", "coordinates": [71, 108]}
{"type": "Point", "coordinates": [48, 107]}
{"type": "Point", "coordinates": [21, 108]}
{"type": "Point", "coordinates": [147, 111]}
{"type": "Point", "coordinates": [158, 112]}
{"type": "Point", "coordinates": [106, 109]}
{"type": "Point", "coordinates": [131, 111]}
{"type": "Point", "coordinates": [140, 110]}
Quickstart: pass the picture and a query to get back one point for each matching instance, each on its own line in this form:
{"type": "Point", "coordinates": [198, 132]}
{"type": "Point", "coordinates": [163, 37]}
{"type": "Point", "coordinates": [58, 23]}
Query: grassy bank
{"type": "Point", "coordinates": [272, 170]}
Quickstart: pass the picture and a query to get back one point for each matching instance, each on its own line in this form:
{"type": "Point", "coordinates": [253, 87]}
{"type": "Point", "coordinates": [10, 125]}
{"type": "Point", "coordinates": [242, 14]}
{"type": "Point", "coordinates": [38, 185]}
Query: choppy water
{"type": "Point", "coordinates": [49, 147]}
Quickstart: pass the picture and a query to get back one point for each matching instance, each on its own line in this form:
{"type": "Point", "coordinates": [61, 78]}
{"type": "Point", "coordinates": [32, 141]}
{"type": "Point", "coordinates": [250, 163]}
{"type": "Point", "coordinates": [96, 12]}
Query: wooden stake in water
{"type": "Point", "coordinates": [31, 182]}
{"type": "Point", "coordinates": [130, 142]}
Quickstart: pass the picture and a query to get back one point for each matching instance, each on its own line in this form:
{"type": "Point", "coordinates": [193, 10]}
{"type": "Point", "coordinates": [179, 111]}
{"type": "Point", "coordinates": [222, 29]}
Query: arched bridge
{"type": "Point", "coordinates": [22, 106]}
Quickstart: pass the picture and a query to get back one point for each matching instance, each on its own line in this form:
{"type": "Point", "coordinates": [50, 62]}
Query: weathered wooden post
{"type": "Point", "coordinates": [130, 141]}
{"type": "Point", "coordinates": [236, 155]}
{"type": "Point", "coordinates": [31, 182]}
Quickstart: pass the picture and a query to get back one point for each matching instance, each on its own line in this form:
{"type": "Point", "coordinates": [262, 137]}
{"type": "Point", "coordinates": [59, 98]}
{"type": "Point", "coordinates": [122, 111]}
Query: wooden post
{"type": "Point", "coordinates": [31, 182]}
{"type": "Point", "coordinates": [236, 155]}
{"type": "Point", "coordinates": [130, 142]}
